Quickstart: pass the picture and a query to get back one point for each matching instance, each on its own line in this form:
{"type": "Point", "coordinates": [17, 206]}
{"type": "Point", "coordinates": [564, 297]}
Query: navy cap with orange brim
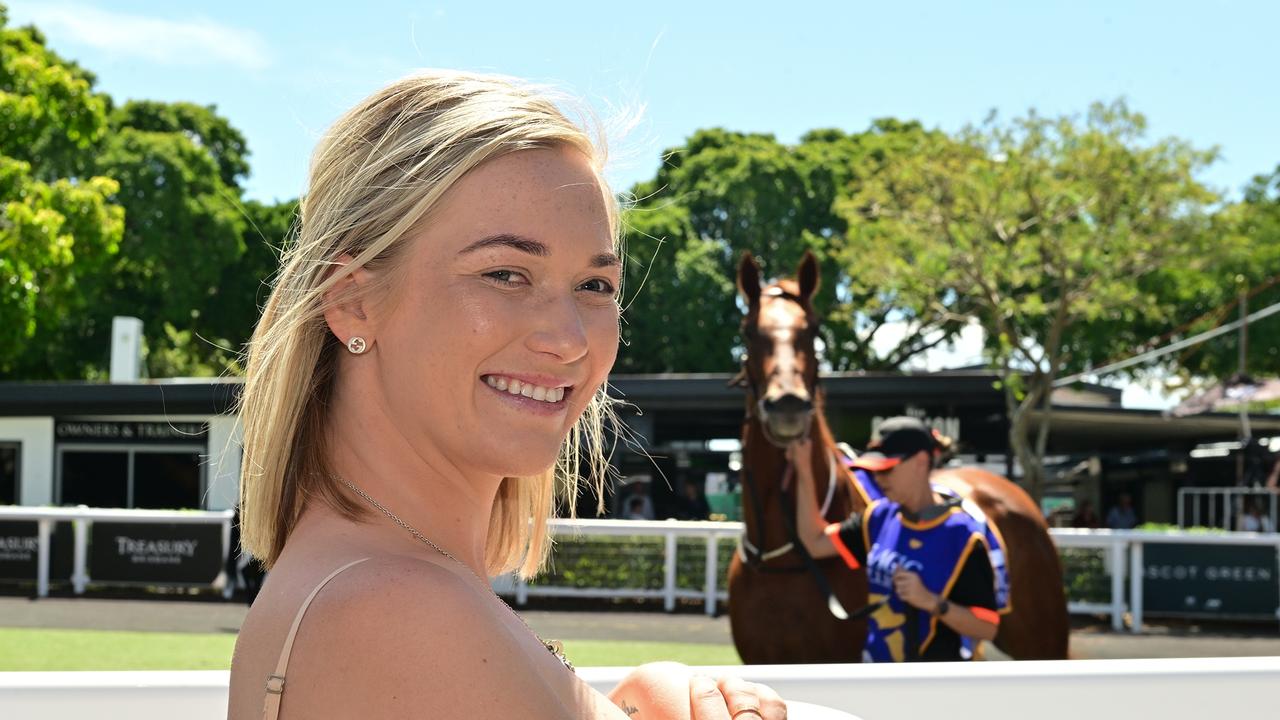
{"type": "Point", "coordinates": [897, 439]}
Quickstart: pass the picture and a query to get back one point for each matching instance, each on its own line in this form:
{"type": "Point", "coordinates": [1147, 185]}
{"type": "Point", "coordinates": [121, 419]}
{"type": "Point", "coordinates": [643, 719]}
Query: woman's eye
{"type": "Point", "coordinates": [598, 285]}
{"type": "Point", "coordinates": [506, 278]}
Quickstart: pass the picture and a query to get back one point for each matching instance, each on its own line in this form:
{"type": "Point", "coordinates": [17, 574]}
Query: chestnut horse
{"type": "Point", "coordinates": [783, 605]}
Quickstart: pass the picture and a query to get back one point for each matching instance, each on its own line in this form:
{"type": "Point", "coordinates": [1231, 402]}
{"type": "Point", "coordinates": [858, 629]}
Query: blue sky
{"type": "Point", "coordinates": [281, 72]}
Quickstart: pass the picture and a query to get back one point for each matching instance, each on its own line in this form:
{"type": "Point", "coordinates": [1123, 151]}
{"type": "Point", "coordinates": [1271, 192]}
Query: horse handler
{"type": "Point", "coordinates": [931, 588]}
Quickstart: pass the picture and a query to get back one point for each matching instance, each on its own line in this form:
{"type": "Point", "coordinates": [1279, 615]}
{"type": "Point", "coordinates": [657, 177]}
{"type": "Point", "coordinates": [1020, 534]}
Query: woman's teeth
{"type": "Point", "coordinates": [515, 387]}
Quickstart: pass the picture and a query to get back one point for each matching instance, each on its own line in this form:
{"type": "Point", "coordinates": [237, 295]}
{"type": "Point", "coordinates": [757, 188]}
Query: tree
{"type": "Point", "coordinates": [177, 207]}
{"type": "Point", "coordinates": [1245, 260]}
{"type": "Point", "coordinates": [1043, 231]}
{"type": "Point", "coordinates": [725, 192]}
{"type": "Point", "coordinates": [57, 232]}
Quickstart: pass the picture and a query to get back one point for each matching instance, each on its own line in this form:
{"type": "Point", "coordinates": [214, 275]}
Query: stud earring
{"type": "Point", "coordinates": [357, 345]}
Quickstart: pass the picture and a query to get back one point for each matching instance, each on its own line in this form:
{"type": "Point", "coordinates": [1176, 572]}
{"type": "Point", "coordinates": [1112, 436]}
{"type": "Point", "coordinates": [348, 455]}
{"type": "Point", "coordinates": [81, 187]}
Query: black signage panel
{"type": "Point", "coordinates": [19, 550]}
{"type": "Point", "coordinates": [1228, 580]}
{"type": "Point", "coordinates": [155, 552]}
{"type": "Point", "coordinates": [130, 432]}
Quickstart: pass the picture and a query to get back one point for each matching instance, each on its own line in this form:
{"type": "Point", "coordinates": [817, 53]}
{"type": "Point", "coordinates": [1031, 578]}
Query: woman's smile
{"type": "Point", "coordinates": [537, 395]}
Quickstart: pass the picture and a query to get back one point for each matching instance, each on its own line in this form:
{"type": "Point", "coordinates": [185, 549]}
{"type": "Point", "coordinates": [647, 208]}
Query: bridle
{"type": "Point", "coordinates": [749, 552]}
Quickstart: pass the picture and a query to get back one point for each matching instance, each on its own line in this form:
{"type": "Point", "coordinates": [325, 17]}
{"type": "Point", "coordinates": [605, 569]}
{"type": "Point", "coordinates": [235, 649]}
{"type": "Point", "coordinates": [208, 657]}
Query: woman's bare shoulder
{"type": "Point", "coordinates": [402, 637]}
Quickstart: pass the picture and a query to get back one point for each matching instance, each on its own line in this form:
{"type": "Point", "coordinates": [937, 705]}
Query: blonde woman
{"type": "Point", "coordinates": [430, 364]}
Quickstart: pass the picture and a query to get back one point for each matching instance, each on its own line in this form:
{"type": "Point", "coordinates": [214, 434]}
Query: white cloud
{"type": "Point", "coordinates": [190, 42]}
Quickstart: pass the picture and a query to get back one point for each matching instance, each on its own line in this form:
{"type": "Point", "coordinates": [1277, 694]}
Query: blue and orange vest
{"type": "Point", "coordinates": [865, 484]}
{"type": "Point", "coordinates": [936, 550]}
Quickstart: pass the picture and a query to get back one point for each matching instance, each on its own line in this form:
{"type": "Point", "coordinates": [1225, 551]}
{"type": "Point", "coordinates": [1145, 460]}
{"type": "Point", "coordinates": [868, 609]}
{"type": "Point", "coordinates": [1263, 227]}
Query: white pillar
{"type": "Point", "coordinates": [224, 458]}
{"type": "Point", "coordinates": [126, 349]}
{"type": "Point", "coordinates": [1135, 586]}
{"type": "Point", "coordinates": [669, 565]}
{"type": "Point", "coordinates": [1116, 555]}
{"type": "Point", "coordinates": [80, 573]}
{"type": "Point", "coordinates": [712, 576]}
{"type": "Point", "coordinates": [44, 529]}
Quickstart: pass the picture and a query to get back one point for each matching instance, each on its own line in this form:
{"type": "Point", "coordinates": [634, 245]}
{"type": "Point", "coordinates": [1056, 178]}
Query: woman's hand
{"type": "Point", "coordinates": [671, 691]}
{"type": "Point", "coordinates": [731, 698]}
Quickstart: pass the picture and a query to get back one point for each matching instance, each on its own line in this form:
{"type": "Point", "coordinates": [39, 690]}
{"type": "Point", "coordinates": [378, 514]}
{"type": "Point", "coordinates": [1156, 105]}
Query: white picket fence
{"type": "Point", "coordinates": [1123, 550]}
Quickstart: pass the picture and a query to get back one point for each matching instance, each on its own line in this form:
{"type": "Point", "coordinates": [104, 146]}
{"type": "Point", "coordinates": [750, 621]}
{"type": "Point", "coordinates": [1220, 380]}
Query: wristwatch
{"type": "Point", "coordinates": [942, 608]}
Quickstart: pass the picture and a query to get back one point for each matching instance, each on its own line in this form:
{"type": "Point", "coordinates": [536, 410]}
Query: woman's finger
{"type": "Point", "coordinates": [705, 700]}
{"type": "Point", "coordinates": [772, 706]}
{"type": "Point", "coordinates": [751, 701]}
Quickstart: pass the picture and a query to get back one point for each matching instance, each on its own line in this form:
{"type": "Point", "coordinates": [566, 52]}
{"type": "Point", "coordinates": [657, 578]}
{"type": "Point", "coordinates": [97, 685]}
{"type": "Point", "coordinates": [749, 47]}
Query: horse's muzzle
{"type": "Point", "coordinates": [786, 418]}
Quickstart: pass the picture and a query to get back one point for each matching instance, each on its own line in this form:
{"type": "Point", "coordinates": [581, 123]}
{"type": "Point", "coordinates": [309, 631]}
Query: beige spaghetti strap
{"type": "Point", "coordinates": [275, 681]}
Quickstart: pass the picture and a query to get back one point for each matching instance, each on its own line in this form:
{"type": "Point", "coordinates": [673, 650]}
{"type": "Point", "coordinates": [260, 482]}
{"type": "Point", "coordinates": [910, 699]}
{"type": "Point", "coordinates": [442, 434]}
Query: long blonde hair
{"type": "Point", "coordinates": [375, 176]}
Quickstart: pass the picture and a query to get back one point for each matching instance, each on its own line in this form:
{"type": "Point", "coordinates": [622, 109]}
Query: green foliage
{"type": "Point", "coordinates": [1050, 233]}
{"type": "Point", "coordinates": [183, 353]}
{"type": "Point", "coordinates": [105, 209]}
{"type": "Point", "coordinates": [51, 113]}
{"type": "Point", "coordinates": [1246, 257]}
{"type": "Point", "coordinates": [201, 125]}
{"type": "Point", "coordinates": [57, 233]}
{"type": "Point", "coordinates": [604, 561]}
{"type": "Point", "coordinates": [723, 193]}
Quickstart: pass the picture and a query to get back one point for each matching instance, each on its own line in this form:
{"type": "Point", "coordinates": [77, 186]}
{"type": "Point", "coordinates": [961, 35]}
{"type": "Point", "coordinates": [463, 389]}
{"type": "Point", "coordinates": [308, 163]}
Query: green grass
{"type": "Point", "coordinates": [36, 649]}
{"type": "Point", "coordinates": [602, 653]}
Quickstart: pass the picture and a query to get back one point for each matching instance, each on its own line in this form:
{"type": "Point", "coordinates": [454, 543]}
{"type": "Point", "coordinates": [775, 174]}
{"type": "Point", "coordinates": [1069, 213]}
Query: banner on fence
{"type": "Point", "coordinates": [155, 552]}
{"type": "Point", "coordinates": [1226, 580]}
{"type": "Point", "coordinates": [19, 548]}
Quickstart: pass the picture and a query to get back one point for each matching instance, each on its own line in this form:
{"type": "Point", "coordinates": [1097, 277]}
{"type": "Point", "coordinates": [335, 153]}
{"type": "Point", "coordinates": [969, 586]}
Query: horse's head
{"type": "Point", "coordinates": [780, 368]}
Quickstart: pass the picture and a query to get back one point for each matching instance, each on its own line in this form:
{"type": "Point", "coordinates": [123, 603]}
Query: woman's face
{"type": "Point", "coordinates": [507, 320]}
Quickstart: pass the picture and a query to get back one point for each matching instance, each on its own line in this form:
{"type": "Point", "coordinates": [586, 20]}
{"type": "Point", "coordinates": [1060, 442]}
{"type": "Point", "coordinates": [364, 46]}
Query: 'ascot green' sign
{"type": "Point", "coordinates": [1234, 580]}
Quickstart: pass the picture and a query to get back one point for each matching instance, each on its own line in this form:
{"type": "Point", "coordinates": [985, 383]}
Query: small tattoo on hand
{"type": "Point", "coordinates": [629, 709]}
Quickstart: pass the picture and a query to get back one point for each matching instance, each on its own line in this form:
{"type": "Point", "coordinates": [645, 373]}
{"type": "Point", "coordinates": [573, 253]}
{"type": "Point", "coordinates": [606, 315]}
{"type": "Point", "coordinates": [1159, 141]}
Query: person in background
{"type": "Point", "coordinates": [930, 577]}
{"type": "Point", "coordinates": [1252, 519]}
{"type": "Point", "coordinates": [693, 502]}
{"type": "Point", "coordinates": [1086, 516]}
{"type": "Point", "coordinates": [1122, 516]}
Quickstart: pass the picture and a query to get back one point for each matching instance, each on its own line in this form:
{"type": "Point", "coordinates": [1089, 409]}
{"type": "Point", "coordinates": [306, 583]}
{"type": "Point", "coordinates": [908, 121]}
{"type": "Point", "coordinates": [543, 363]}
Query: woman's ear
{"type": "Point", "coordinates": [346, 303]}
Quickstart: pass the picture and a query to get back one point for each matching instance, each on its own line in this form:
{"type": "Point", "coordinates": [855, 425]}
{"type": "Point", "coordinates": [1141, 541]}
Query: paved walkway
{"type": "Point", "coordinates": [1087, 642]}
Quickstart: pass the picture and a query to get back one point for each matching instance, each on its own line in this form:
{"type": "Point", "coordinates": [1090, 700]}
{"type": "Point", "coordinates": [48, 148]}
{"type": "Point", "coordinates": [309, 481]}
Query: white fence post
{"type": "Point", "coordinates": [44, 528]}
{"type": "Point", "coordinates": [712, 574]}
{"type": "Point", "coordinates": [80, 576]}
{"type": "Point", "coordinates": [1117, 557]}
{"type": "Point", "coordinates": [1135, 586]}
{"type": "Point", "coordinates": [669, 589]}
{"type": "Point", "coordinates": [229, 578]}
{"type": "Point", "coordinates": [522, 591]}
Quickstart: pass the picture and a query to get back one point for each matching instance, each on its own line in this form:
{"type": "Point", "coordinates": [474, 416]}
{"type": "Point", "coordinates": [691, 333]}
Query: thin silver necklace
{"type": "Point", "coordinates": [555, 647]}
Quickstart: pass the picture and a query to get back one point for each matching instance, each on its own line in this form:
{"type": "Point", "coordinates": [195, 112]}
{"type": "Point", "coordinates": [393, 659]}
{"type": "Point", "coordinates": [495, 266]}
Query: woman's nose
{"type": "Point", "coordinates": [558, 330]}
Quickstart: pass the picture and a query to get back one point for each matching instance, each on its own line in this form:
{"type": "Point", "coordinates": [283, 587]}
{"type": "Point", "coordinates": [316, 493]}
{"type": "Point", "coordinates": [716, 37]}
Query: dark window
{"type": "Point", "coordinates": [166, 480]}
{"type": "Point", "coordinates": [95, 478]}
{"type": "Point", "coordinates": [9, 454]}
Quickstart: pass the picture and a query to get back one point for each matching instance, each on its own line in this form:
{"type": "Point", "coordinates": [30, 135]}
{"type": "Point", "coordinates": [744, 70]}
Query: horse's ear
{"type": "Point", "coordinates": [808, 276]}
{"type": "Point", "coordinates": [749, 278]}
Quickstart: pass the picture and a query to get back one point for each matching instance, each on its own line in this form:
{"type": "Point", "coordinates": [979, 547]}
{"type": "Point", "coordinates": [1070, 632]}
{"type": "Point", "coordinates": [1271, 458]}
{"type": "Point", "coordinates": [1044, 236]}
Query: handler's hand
{"type": "Point", "coordinates": [800, 455]}
{"type": "Point", "coordinates": [908, 586]}
{"type": "Point", "coordinates": [731, 698]}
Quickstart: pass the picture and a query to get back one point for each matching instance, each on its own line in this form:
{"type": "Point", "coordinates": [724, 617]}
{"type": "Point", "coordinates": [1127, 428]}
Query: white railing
{"type": "Point", "coordinates": [81, 517]}
{"type": "Point", "coordinates": [1219, 506]}
{"type": "Point", "coordinates": [1123, 554]}
{"type": "Point", "coordinates": [1170, 689]}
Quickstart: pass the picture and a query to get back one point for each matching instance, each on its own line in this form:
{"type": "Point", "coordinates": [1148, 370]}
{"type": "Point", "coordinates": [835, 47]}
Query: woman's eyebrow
{"type": "Point", "coordinates": [516, 242]}
{"type": "Point", "coordinates": [532, 247]}
{"type": "Point", "coordinates": [604, 260]}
